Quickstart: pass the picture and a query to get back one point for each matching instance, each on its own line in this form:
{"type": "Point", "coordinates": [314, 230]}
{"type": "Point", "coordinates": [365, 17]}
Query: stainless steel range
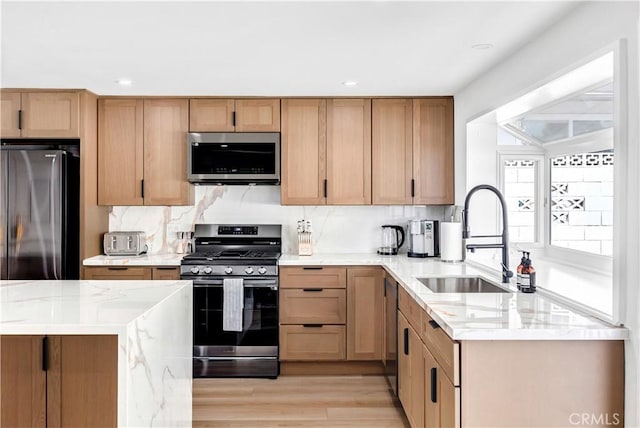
{"type": "Point", "coordinates": [234, 252]}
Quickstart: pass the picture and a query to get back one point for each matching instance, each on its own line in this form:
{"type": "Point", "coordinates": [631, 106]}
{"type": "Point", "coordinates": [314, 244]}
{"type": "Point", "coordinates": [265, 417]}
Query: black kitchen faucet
{"type": "Point", "coordinates": [504, 237]}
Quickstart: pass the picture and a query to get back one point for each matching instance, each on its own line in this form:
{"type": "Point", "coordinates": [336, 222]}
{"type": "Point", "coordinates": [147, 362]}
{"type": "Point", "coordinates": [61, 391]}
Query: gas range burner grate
{"type": "Point", "coordinates": [232, 254]}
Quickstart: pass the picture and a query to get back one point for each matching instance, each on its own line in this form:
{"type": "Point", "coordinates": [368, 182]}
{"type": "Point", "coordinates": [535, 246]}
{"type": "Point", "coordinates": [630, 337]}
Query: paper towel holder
{"type": "Point", "coordinates": [451, 248]}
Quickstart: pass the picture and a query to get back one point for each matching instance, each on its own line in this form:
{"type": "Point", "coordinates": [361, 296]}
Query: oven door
{"type": "Point", "coordinates": [259, 335]}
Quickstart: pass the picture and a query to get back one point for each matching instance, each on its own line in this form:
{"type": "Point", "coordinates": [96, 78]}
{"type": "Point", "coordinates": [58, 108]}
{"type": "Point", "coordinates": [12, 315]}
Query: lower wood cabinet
{"type": "Point", "coordinates": [441, 398]}
{"type": "Point", "coordinates": [58, 381]}
{"type": "Point", "coordinates": [317, 342]}
{"type": "Point", "coordinates": [365, 301]}
{"type": "Point", "coordinates": [313, 306]}
{"type": "Point", "coordinates": [131, 273]}
{"type": "Point", "coordinates": [411, 379]}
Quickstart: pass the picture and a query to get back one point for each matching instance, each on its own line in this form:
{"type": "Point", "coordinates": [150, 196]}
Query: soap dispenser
{"type": "Point", "coordinates": [519, 271]}
{"type": "Point", "coordinates": [528, 280]}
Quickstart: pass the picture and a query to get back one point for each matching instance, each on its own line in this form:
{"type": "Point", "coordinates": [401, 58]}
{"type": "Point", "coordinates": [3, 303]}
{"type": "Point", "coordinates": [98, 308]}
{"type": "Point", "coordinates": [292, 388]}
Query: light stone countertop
{"type": "Point", "coordinates": [152, 320]}
{"type": "Point", "coordinates": [463, 316]}
{"type": "Point", "coordinates": [142, 260]}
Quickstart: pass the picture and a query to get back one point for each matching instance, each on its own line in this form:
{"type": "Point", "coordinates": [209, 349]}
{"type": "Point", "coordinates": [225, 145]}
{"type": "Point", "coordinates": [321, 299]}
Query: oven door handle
{"type": "Point", "coordinates": [249, 283]}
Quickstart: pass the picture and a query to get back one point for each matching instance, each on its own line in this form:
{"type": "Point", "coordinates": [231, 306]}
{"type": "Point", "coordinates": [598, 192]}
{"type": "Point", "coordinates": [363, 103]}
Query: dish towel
{"type": "Point", "coordinates": [233, 304]}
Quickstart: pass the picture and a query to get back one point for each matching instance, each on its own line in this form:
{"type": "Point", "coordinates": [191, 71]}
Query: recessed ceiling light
{"type": "Point", "coordinates": [124, 82]}
{"type": "Point", "coordinates": [482, 46]}
{"type": "Point", "coordinates": [350, 83]}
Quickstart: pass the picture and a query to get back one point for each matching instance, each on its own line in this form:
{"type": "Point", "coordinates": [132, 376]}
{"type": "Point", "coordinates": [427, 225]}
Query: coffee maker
{"type": "Point", "coordinates": [423, 238]}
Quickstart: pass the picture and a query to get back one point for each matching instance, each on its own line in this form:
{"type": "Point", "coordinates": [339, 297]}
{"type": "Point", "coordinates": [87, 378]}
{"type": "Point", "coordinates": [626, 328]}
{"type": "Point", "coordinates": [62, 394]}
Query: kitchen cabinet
{"type": "Point", "coordinates": [410, 372]}
{"type": "Point", "coordinates": [58, 381]}
{"type": "Point", "coordinates": [433, 169]}
{"type": "Point", "coordinates": [412, 151]}
{"type": "Point", "coordinates": [304, 149]}
{"type": "Point", "coordinates": [228, 115]}
{"type": "Point", "coordinates": [141, 152]}
{"type": "Point", "coordinates": [156, 273]}
{"type": "Point", "coordinates": [348, 152]}
{"type": "Point", "coordinates": [392, 151]}
{"type": "Point", "coordinates": [312, 313]}
{"type": "Point", "coordinates": [35, 114]}
{"type": "Point", "coordinates": [365, 300]}
{"type": "Point", "coordinates": [442, 399]}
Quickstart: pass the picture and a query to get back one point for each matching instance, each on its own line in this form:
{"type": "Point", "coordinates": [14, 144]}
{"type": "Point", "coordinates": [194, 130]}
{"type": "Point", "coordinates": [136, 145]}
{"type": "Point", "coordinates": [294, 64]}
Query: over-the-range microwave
{"type": "Point", "coordinates": [234, 157]}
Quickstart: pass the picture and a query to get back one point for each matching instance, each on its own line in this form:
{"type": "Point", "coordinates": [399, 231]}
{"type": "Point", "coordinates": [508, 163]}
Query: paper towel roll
{"type": "Point", "coordinates": [451, 242]}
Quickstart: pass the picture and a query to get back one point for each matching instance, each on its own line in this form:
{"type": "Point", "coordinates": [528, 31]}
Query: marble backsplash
{"type": "Point", "coordinates": [336, 229]}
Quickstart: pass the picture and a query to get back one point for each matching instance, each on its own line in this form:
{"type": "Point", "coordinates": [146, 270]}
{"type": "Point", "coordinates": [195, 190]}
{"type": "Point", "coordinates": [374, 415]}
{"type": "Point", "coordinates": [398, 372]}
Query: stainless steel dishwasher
{"type": "Point", "coordinates": [391, 328]}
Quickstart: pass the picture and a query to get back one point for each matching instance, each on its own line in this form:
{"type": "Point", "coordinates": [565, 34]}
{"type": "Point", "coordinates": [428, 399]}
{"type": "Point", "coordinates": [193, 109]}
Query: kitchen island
{"type": "Point", "coordinates": [130, 337]}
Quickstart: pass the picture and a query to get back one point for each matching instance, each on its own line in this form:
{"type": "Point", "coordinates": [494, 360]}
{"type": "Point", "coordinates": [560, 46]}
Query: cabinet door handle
{"type": "Point", "coordinates": [434, 385]}
{"type": "Point", "coordinates": [406, 341]}
{"type": "Point", "coordinates": [325, 188]}
{"type": "Point", "coordinates": [117, 268]}
{"type": "Point", "coordinates": [413, 188]}
{"type": "Point", "coordinates": [233, 118]}
{"type": "Point", "coordinates": [312, 325]}
{"type": "Point", "coordinates": [312, 289]}
{"type": "Point", "coordinates": [312, 268]}
{"type": "Point", "coordinates": [45, 353]}
{"type": "Point", "coordinates": [19, 119]}
{"type": "Point", "coordinates": [434, 324]}
{"type": "Point", "coordinates": [142, 188]}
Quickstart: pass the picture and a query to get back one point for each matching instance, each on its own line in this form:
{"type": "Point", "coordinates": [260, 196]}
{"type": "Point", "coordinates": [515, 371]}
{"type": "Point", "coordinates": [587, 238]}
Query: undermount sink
{"type": "Point", "coordinates": [461, 285]}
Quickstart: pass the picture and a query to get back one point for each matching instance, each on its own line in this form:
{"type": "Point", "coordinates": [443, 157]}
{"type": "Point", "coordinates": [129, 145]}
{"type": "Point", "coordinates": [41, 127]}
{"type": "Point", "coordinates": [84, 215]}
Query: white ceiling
{"type": "Point", "coordinates": [263, 48]}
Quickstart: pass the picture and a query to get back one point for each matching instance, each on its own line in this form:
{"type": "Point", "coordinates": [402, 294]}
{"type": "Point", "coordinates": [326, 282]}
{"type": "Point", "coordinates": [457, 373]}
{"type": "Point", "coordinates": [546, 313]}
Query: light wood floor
{"type": "Point", "coordinates": [296, 401]}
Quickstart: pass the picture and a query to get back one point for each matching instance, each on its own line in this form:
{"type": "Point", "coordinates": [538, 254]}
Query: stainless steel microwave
{"type": "Point", "coordinates": [234, 157]}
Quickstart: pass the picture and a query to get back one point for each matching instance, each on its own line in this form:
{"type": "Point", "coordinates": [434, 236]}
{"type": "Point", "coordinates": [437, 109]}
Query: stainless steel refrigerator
{"type": "Point", "coordinates": [39, 209]}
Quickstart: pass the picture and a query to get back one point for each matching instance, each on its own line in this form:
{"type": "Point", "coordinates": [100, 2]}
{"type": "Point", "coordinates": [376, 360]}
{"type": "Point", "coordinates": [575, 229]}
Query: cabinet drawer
{"type": "Point", "coordinates": [313, 306]}
{"type": "Point", "coordinates": [117, 272]}
{"type": "Point", "coordinates": [166, 273]}
{"type": "Point", "coordinates": [312, 343]}
{"type": "Point", "coordinates": [313, 277]}
{"type": "Point", "coordinates": [410, 309]}
{"type": "Point", "coordinates": [445, 350]}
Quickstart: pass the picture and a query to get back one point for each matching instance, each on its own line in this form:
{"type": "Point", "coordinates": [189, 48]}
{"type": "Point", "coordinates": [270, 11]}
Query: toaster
{"type": "Point", "coordinates": [124, 243]}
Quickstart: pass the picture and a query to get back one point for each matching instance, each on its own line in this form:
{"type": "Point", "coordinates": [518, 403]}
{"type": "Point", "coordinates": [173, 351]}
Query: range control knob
{"type": "Point", "coordinates": [248, 270]}
{"type": "Point", "coordinates": [195, 270]}
{"type": "Point", "coordinates": [228, 270]}
{"type": "Point", "coordinates": [262, 270]}
{"type": "Point", "coordinates": [208, 270]}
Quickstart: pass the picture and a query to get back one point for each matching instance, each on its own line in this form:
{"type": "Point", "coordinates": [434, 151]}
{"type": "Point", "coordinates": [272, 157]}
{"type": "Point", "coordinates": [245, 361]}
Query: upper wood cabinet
{"type": "Point", "coordinates": [365, 301]}
{"type": "Point", "coordinates": [228, 115]}
{"type": "Point", "coordinates": [392, 151]}
{"type": "Point", "coordinates": [433, 169]}
{"type": "Point", "coordinates": [142, 152]}
{"type": "Point", "coordinates": [304, 149]}
{"type": "Point", "coordinates": [40, 114]}
{"type": "Point", "coordinates": [349, 151]}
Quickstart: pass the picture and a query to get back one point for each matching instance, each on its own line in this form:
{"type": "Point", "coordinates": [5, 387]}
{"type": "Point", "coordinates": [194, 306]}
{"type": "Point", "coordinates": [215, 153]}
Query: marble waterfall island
{"type": "Point", "coordinates": [149, 324]}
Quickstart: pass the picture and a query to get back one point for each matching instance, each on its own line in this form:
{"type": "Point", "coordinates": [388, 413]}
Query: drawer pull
{"type": "Point", "coordinates": [406, 341]}
{"type": "Point", "coordinates": [434, 385]}
{"type": "Point", "coordinates": [434, 324]}
{"type": "Point", "coordinates": [312, 268]}
{"type": "Point", "coordinates": [118, 268]}
{"type": "Point", "coordinates": [312, 289]}
{"type": "Point", "coordinates": [312, 325]}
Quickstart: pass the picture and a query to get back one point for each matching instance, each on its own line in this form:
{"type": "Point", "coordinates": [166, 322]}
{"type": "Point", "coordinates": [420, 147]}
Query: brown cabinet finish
{"type": "Point", "coordinates": [365, 299]}
{"type": "Point", "coordinates": [228, 115]}
{"type": "Point", "coordinates": [392, 151]}
{"type": "Point", "coordinates": [312, 342]}
{"type": "Point", "coordinates": [445, 350]}
{"type": "Point", "coordinates": [73, 384]}
{"type": "Point", "coordinates": [10, 105]}
{"type": "Point", "coordinates": [165, 273]}
{"type": "Point", "coordinates": [117, 273]}
{"type": "Point", "coordinates": [313, 276]}
{"type": "Point", "coordinates": [441, 398]}
{"type": "Point", "coordinates": [120, 151]}
{"type": "Point", "coordinates": [303, 151]}
{"type": "Point", "coordinates": [410, 372]}
{"type": "Point", "coordinates": [433, 168]}
{"type": "Point", "coordinates": [141, 152]}
{"type": "Point", "coordinates": [50, 114]}
{"type": "Point", "coordinates": [349, 151]}
{"type": "Point", "coordinates": [313, 306]}
{"type": "Point", "coordinates": [22, 382]}
{"type": "Point", "coordinates": [165, 157]}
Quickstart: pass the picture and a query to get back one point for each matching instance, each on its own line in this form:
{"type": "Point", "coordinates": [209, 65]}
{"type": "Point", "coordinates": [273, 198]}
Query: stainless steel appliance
{"type": "Point", "coordinates": [234, 158]}
{"type": "Point", "coordinates": [392, 239]}
{"type": "Point", "coordinates": [390, 356]}
{"type": "Point", "coordinates": [124, 243]}
{"type": "Point", "coordinates": [39, 209]}
{"type": "Point", "coordinates": [423, 238]}
{"type": "Point", "coordinates": [249, 252]}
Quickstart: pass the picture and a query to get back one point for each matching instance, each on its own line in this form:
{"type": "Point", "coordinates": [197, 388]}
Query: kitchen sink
{"type": "Point", "coordinates": [461, 285]}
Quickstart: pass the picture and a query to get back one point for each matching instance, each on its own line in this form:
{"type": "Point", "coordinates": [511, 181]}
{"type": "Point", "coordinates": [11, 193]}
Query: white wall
{"type": "Point", "coordinates": [582, 35]}
{"type": "Point", "coordinates": [336, 229]}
